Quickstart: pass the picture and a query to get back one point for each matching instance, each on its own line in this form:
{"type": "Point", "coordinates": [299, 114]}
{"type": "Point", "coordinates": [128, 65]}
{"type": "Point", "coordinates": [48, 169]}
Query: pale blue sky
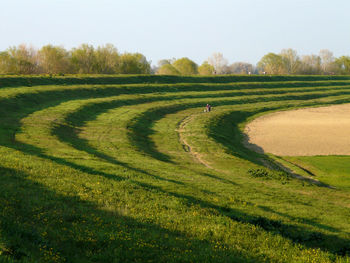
{"type": "Point", "coordinates": [242, 30]}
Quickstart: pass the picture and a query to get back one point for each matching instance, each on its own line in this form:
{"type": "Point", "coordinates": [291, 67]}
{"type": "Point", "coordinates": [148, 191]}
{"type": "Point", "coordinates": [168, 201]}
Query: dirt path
{"type": "Point", "coordinates": [303, 132]}
{"type": "Point", "coordinates": [186, 146]}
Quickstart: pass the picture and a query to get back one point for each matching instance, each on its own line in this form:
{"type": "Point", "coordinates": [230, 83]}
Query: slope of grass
{"type": "Point", "coordinates": [25, 80]}
{"type": "Point", "coordinates": [332, 170]}
{"type": "Point", "coordinates": [130, 169]}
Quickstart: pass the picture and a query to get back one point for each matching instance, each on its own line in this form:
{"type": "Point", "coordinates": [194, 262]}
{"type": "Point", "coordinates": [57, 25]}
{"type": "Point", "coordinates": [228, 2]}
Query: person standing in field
{"type": "Point", "coordinates": [208, 108]}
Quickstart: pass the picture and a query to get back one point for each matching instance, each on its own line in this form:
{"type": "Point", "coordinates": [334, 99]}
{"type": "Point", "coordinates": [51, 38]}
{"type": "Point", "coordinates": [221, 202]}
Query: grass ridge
{"type": "Point", "coordinates": [109, 180]}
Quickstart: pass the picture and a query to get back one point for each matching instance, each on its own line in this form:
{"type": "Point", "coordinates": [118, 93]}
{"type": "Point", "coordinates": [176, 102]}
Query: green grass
{"type": "Point", "coordinates": [25, 80]}
{"type": "Point", "coordinates": [130, 169]}
{"type": "Point", "coordinates": [332, 170]}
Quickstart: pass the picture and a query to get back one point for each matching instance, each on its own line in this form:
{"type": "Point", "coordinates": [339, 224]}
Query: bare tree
{"type": "Point", "coordinates": [219, 63]}
{"type": "Point", "coordinates": [327, 61]}
{"type": "Point", "coordinates": [310, 64]}
{"type": "Point", "coordinates": [291, 60]}
{"type": "Point", "coordinates": [241, 68]}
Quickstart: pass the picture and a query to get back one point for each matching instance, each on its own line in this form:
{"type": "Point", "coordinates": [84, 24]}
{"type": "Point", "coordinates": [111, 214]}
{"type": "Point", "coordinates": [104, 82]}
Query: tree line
{"type": "Point", "coordinates": [287, 62]}
{"type": "Point", "coordinates": [84, 59]}
{"type": "Point", "coordinates": [106, 59]}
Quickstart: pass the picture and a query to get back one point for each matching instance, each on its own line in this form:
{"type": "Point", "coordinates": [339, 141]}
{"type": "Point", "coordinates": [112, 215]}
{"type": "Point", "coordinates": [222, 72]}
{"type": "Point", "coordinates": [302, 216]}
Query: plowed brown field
{"type": "Point", "coordinates": [302, 132]}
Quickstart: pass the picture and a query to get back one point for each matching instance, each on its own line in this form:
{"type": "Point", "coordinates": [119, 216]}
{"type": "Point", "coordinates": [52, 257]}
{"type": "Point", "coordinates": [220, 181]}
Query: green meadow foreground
{"type": "Point", "coordinates": [130, 169]}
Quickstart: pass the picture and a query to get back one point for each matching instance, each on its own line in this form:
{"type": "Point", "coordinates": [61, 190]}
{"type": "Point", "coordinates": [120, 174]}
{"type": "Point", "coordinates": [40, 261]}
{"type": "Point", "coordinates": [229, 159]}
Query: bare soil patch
{"type": "Point", "coordinates": [302, 132]}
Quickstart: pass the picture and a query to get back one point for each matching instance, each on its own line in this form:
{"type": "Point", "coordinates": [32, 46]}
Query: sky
{"type": "Point", "coordinates": [160, 29]}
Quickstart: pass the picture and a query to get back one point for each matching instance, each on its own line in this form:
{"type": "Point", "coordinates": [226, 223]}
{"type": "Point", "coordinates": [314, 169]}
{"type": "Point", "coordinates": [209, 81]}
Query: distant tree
{"type": "Point", "coordinates": [186, 66]}
{"type": "Point", "coordinates": [343, 65]}
{"type": "Point", "coordinates": [327, 61]}
{"type": "Point", "coordinates": [83, 59]}
{"type": "Point", "coordinates": [310, 65]}
{"type": "Point", "coordinates": [154, 69]}
{"type": "Point", "coordinates": [291, 61]}
{"type": "Point", "coordinates": [206, 69]}
{"type": "Point", "coordinates": [19, 60]}
{"type": "Point", "coordinates": [163, 62]}
{"type": "Point", "coordinates": [133, 63]}
{"type": "Point", "coordinates": [226, 70]}
{"type": "Point", "coordinates": [53, 60]}
{"type": "Point", "coordinates": [160, 64]}
{"type": "Point", "coordinates": [106, 59]}
{"type": "Point", "coordinates": [168, 69]}
{"type": "Point", "coordinates": [272, 64]}
{"type": "Point", "coordinates": [241, 68]}
{"type": "Point", "coordinates": [7, 64]}
{"type": "Point", "coordinates": [218, 61]}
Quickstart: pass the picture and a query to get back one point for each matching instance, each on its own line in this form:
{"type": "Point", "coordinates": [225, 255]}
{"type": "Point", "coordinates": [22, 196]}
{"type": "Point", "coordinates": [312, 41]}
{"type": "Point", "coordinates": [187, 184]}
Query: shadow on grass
{"type": "Point", "coordinates": [219, 178]}
{"type": "Point", "coordinates": [225, 130]}
{"type": "Point", "coordinates": [32, 101]}
{"type": "Point", "coordinates": [140, 128]}
{"type": "Point", "coordinates": [38, 224]}
{"type": "Point", "coordinates": [68, 133]}
{"type": "Point", "coordinates": [14, 81]}
{"type": "Point", "coordinates": [297, 234]}
{"type": "Point", "coordinates": [26, 230]}
{"type": "Point", "coordinates": [300, 219]}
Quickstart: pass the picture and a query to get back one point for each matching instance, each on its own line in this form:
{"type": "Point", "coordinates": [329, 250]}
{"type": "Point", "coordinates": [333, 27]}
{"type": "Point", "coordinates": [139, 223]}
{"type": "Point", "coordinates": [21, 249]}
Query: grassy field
{"type": "Point", "coordinates": [130, 169]}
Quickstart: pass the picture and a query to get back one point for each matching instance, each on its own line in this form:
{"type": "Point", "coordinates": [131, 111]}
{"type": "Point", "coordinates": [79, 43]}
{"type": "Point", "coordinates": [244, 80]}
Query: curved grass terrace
{"type": "Point", "coordinates": [130, 169]}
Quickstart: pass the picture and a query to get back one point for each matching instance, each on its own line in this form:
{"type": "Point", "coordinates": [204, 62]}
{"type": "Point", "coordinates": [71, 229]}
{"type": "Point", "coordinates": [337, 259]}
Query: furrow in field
{"type": "Point", "coordinates": [150, 147]}
{"type": "Point", "coordinates": [47, 145]}
{"type": "Point", "coordinates": [256, 100]}
{"type": "Point", "coordinates": [48, 135]}
{"type": "Point", "coordinates": [141, 127]}
{"type": "Point", "coordinates": [15, 81]}
{"type": "Point", "coordinates": [79, 95]}
{"type": "Point", "coordinates": [102, 120]}
{"type": "Point", "coordinates": [293, 104]}
{"type": "Point", "coordinates": [120, 152]}
{"type": "Point", "coordinates": [71, 90]}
